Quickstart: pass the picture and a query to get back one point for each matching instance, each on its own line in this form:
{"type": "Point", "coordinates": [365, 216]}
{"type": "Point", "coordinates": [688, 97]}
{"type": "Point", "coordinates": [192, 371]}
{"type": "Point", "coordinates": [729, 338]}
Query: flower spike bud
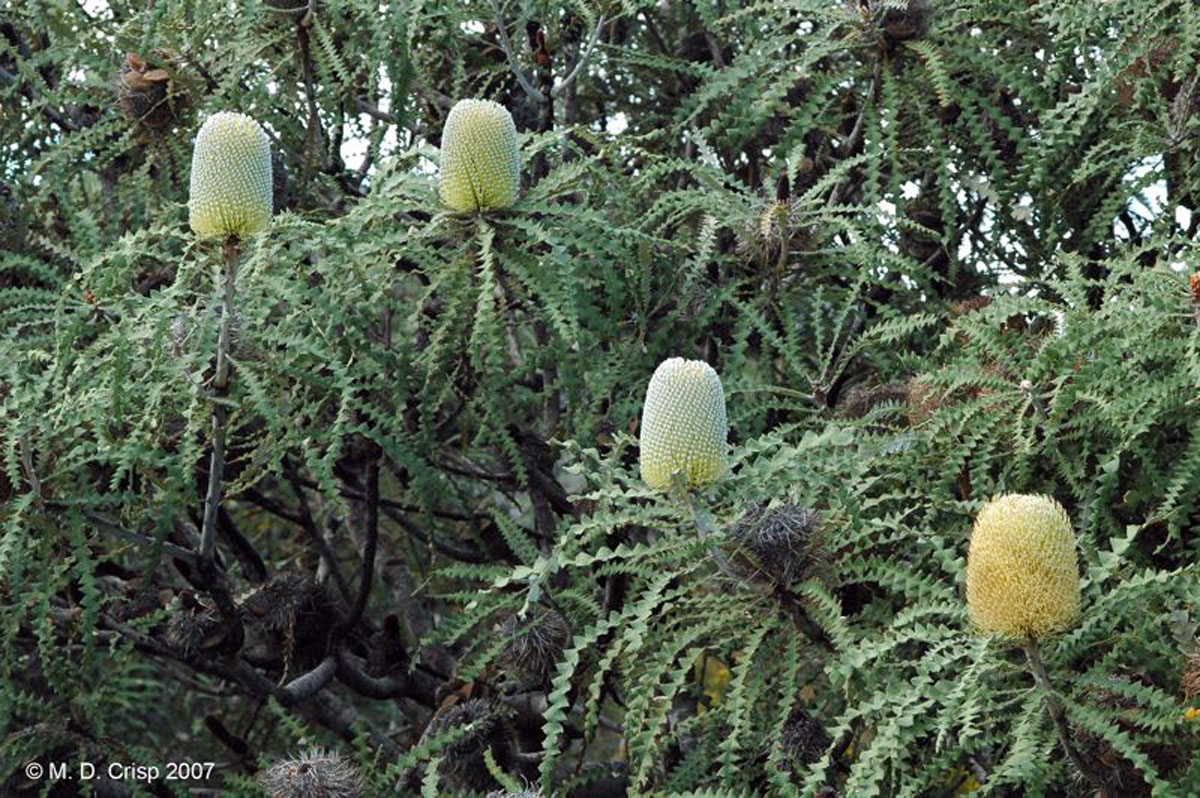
{"type": "Point", "coordinates": [232, 179]}
{"type": "Point", "coordinates": [1022, 569]}
{"type": "Point", "coordinates": [481, 161]}
{"type": "Point", "coordinates": [683, 427]}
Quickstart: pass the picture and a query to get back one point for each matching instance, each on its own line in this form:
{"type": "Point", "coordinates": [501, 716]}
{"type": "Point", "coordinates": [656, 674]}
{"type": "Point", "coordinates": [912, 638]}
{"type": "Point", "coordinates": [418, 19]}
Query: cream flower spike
{"type": "Point", "coordinates": [481, 161]}
{"type": "Point", "coordinates": [683, 428]}
{"type": "Point", "coordinates": [231, 183]}
{"type": "Point", "coordinates": [1022, 569]}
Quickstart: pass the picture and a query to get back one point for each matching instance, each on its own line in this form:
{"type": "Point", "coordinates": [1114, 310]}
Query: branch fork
{"type": "Point", "coordinates": [535, 93]}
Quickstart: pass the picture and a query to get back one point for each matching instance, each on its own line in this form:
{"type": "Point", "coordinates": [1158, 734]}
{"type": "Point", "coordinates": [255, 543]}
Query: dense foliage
{"type": "Point", "coordinates": [937, 251]}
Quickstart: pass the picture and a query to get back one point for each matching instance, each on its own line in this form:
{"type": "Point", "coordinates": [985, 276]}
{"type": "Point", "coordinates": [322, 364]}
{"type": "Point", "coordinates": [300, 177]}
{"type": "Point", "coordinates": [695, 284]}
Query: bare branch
{"type": "Point", "coordinates": [506, 45]}
{"type": "Point", "coordinates": [112, 530]}
{"type": "Point", "coordinates": [583, 59]}
{"type": "Point", "coordinates": [306, 686]}
{"type": "Point", "coordinates": [374, 112]}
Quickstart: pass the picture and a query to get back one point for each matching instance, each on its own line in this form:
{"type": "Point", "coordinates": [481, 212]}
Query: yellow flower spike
{"type": "Point", "coordinates": [683, 428]}
{"type": "Point", "coordinates": [1022, 569]}
{"type": "Point", "coordinates": [481, 160]}
{"type": "Point", "coordinates": [231, 184]}
{"type": "Point", "coordinates": [1191, 713]}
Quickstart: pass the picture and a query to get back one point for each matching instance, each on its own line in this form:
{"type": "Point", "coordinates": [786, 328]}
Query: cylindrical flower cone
{"type": "Point", "coordinates": [683, 426]}
{"type": "Point", "coordinates": [1022, 568]}
{"type": "Point", "coordinates": [481, 161]}
{"type": "Point", "coordinates": [232, 180]}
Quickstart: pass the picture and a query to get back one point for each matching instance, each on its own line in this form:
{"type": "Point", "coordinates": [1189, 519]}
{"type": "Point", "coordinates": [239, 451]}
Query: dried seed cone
{"type": "Point", "coordinates": [803, 740]}
{"type": "Point", "coordinates": [191, 630]}
{"type": "Point", "coordinates": [232, 179]}
{"type": "Point", "coordinates": [481, 162]}
{"type": "Point", "coordinates": [463, 764]}
{"type": "Point", "coordinates": [144, 94]}
{"type": "Point", "coordinates": [276, 602]}
{"type": "Point", "coordinates": [1022, 569]}
{"type": "Point", "coordinates": [535, 643]}
{"type": "Point", "coordinates": [1191, 678]}
{"type": "Point", "coordinates": [316, 773]}
{"type": "Point", "coordinates": [783, 543]}
{"type": "Point", "coordinates": [683, 424]}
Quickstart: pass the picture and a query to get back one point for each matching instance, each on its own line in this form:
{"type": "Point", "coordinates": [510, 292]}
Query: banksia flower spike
{"type": "Point", "coordinates": [1022, 569]}
{"type": "Point", "coordinates": [481, 162]}
{"type": "Point", "coordinates": [1023, 584]}
{"type": "Point", "coordinates": [232, 179]}
{"type": "Point", "coordinates": [683, 426]}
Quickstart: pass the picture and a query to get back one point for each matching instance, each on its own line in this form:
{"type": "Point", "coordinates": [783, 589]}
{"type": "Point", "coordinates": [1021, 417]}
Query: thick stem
{"type": "Point", "coordinates": [220, 389]}
{"type": "Point", "coordinates": [1037, 667]}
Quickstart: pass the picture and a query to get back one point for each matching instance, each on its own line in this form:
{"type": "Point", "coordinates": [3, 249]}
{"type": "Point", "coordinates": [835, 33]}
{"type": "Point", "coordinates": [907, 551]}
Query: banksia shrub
{"type": "Point", "coordinates": [463, 767]}
{"type": "Point", "coordinates": [535, 643]}
{"type": "Point", "coordinates": [683, 425]}
{"type": "Point", "coordinates": [315, 773]}
{"type": "Point", "coordinates": [481, 162]}
{"type": "Point", "coordinates": [1022, 569]}
{"type": "Point", "coordinates": [782, 543]}
{"type": "Point", "coordinates": [232, 181]}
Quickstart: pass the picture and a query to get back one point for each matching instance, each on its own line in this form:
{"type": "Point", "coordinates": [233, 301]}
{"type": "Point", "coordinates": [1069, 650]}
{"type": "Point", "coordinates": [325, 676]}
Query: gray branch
{"type": "Point", "coordinates": [522, 77]}
{"type": "Point", "coordinates": [583, 59]}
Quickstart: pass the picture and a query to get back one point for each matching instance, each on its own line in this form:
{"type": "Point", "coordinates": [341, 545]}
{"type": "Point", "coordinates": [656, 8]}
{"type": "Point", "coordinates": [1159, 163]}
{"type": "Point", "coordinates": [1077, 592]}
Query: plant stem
{"type": "Point", "coordinates": [703, 528]}
{"type": "Point", "coordinates": [220, 389]}
{"type": "Point", "coordinates": [1037, 667]}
